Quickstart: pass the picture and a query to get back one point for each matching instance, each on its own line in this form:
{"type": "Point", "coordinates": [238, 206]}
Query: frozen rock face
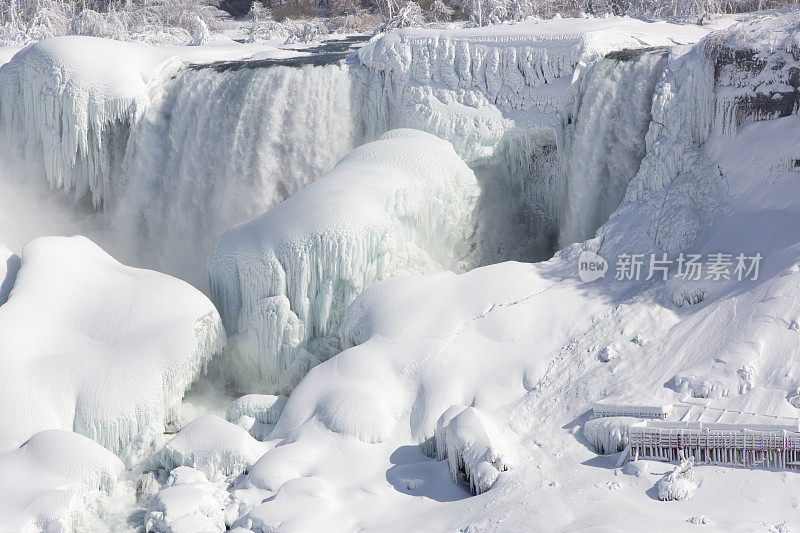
{"type": "Point", "coordinates": [9, 266]}
{"type": "Point", "coordinates": [92, 345]}
{"type": "Point", "coordinates": [47, 483]}
{"type": "Point", "coordinates": [403, 204]}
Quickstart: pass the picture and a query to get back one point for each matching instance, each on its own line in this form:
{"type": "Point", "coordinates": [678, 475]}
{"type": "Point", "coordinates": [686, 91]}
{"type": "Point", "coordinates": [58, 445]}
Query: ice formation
{"type": "Point", "coordinates": [213, 446]}
{"type": "Point", "coordinates": [97, 347]}
{"type": "Point", "coordinates": [188, 504]}
{"type": "Point", "coordinates": [608, 435]}
{"type": "Point", "coordinates": [496, 95]}
{"type": "Point", "coordinates": [473, 447]}
{"type": "Point", "coordinates": [99, 132]}
{"type": "Point", "coordinates": [402, 204]}
{"type": "Point", "coordinates": [50, 482]}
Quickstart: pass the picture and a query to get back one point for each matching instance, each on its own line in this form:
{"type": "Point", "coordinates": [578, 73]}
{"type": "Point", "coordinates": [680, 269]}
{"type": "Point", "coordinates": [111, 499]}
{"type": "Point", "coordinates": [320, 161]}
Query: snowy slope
{"type": "Point", "coordinates": [404, 203]}
{"type": "Point", "coordinates": [93, 346]}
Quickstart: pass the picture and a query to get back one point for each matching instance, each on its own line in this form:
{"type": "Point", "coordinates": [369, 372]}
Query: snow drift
{"type": "Point", "coordinates": [93, 346]}
{"type": "Point", "coordinates": [402, 204]}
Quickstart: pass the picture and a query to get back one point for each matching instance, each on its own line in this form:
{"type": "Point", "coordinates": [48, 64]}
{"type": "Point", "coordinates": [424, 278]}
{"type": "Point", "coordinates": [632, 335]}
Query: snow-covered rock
{"type": "Point", "coordinates": [94, 346]}
{"type": "Point", "coordinates": [213, 446]}
{"type": "Point", "coordinates": [402, 204]}
{"type": "Point", "coordinates": [473, 447]}
{"type": "Point", "coordinates": [52, 480]}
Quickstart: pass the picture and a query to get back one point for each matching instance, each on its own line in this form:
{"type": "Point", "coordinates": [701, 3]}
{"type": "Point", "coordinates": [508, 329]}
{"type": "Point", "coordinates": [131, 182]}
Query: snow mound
{"type": "Point", "coordinates": [213, 446]}
{"type": "Point", "coordinates": [608, 435]}
{"type": "Point", "coordinates": [402, 204]}
{"type": "Point", "coordinates": [473, 447]}
{"type": "Point", "coordinates": [92, 345]}
{"type": "Point", "coordinates": [264, 408]}
{"type": "Point", "coordinates": [189, 504]}
{"type": "Point", "coordinates": [49, 482]}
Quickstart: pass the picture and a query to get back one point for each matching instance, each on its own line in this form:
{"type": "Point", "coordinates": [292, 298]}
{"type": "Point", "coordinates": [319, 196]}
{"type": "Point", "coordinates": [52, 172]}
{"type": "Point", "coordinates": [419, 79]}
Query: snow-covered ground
{"type": "Point", "coordinates": [431, 396]}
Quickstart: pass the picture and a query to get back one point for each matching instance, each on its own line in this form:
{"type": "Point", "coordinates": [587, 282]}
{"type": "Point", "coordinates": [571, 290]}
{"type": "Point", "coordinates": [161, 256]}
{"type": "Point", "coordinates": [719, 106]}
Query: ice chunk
{"type": "Point", "coordinates": [48, 481]}
{"type": "Point", "coordinates": [213, 446]}
{"type": "Point", "coordinates": [89, 344]}
{"type": "Point", "coordinates": [402, 204]}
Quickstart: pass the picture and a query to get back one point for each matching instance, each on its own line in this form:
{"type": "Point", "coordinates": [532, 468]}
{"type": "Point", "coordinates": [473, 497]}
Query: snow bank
{"type": "Point", "coordinates": [213, 446]}
{"type": "Point", "coordinates": [50, 482]}
{"type": "Point", "coordinates": [473, 447]}
{"type": "Point", "coordinates": [402, 204]}
{"type": "Point", "coordinates": [188, 504]}
{"type": "Point", "coordinates": [92, 345]}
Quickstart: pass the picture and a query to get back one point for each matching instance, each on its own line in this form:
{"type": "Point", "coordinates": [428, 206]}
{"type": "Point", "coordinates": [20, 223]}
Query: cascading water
{"type": "Point", "coordinates": [602, 138]}
{"type": "Point", "coordinates": [220, 145]}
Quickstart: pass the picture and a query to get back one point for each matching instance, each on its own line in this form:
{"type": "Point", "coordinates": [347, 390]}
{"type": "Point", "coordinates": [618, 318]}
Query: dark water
{"type": "Point", "coordinates": [322, 54]}
{"type": "Point", "coordinates": [632, 54]}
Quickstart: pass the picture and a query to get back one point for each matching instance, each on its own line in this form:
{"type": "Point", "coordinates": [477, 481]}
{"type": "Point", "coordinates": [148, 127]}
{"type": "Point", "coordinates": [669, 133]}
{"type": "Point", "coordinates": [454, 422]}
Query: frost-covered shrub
{"type": "Point", "coordinates": [440, 12]}
{"type": "Point", "coordinates": [308, 32]}
{"type": "Point", "coordinates": [200, 32]}
{"type": "Point", "coordinates": [93, 24]}
{"type": "Point", "coordinates": [407, 16]}
{"type": "Point", "coordinates": [680, 483]}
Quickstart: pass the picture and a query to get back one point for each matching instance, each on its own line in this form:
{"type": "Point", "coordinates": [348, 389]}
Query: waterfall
{"type": "Point", "coordinates": [602, 138]}
{"type": "Point", "coordinates": [219, 146]}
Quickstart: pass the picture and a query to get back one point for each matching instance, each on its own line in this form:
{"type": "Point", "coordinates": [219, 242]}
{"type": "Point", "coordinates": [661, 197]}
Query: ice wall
{"type": "Point", "coordinates": [402, 204]}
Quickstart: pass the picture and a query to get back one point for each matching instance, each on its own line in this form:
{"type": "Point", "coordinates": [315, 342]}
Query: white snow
{"type": "Point", "coordinates": [93, 346]}
{"type": "Point", "coordinates": [402, 204]}
{"type": "Point", "coordinates": [213, 446]}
